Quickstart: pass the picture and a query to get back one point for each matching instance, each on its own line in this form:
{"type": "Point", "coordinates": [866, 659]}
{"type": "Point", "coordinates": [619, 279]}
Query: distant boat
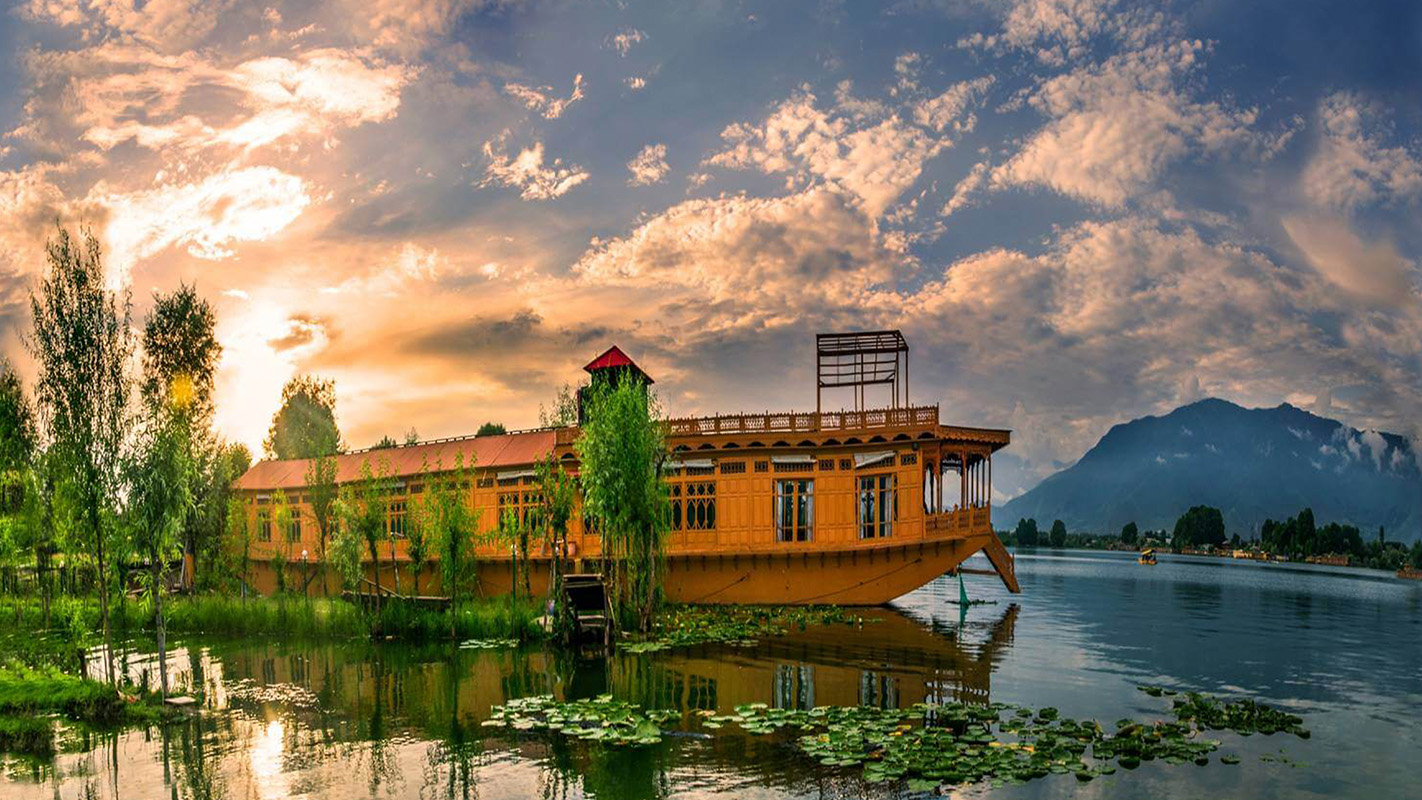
{"type": "Point", "coordinates": [1410, 573]}
{"type": "Point", "coordinates": [1147, 557]}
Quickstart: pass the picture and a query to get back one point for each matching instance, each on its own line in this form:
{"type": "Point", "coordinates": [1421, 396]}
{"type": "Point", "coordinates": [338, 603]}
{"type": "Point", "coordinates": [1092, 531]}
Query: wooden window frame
{"type": "Point", "coordinates": [873, 495]}
{"type": "Point", "coordinates": [797, 497]}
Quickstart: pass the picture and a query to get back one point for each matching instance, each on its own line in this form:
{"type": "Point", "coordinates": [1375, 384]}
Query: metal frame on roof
{"type": "Point", "coordinates": [860, 359]}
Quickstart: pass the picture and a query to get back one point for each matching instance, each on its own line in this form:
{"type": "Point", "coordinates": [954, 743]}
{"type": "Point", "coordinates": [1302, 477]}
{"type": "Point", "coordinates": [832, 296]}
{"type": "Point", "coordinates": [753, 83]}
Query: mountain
{"type": "Point", "coordinates": [1251, 463]}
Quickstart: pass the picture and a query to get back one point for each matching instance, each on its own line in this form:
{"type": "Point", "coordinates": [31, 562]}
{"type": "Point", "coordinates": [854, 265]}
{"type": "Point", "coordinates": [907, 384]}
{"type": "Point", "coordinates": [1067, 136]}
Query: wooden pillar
{"type": "Point", "coordinates": [963, 480]}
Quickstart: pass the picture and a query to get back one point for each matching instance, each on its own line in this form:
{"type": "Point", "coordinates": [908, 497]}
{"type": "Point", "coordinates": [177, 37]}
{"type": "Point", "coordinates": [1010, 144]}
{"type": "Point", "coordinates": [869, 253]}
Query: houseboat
{"type": "Point", "coordinates": [855, 507]}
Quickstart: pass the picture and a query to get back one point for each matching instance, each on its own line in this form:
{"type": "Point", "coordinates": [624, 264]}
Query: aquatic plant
{"type": "Point", "coordinates": [488, 644]}
{"type": "Point", "coordinates": [600, 719]}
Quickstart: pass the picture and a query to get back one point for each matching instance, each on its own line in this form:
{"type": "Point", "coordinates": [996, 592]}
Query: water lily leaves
{"type": "Point", "coordinates": [601, 719]}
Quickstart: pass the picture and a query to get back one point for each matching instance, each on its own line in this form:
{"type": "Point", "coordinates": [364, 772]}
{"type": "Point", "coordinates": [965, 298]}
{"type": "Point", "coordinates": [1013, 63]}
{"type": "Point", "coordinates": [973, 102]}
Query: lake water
{"type": "Point", "coordinates": [1342, 648]}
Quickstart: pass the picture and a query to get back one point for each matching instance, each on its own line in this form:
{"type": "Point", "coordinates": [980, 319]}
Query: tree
{"type": "Point", "coordinates": [1130, 534]}
{"type": "Point", "coordinates": [239, 536]}
{"type": "Point", "coordinates": [557, 493]}
{"type": "Point", "coordinates": [448, 521]}
{"type": "Point", "coordinates": [217, 466]}
{"type": "Point", "coordinates": [363, 508]}
{"type": "Point", "coordinates": [160, 477]}
{"type": "Point", "coordinates": [1026, 533]}
{"type": "Point", "coordinates": [1201, 525]}
{"type": "Point", "coordinates": [322, 494]}
{"type": "Point", "coordinates": [305, 425]}
{"type": "Point", "coordinates": [621, 451]}
{"type": "Point", "coordinates": [412, 436]}
{"type": "Point", "coordinates": [386, 442]}
{"type": "Point", "coordinates": [82, 342]}
{"type": "Point", "coordinates": [491, 429]}
{"type": "Point", "coordinates": [180, 355]}
{"type": "Point", "coordinates": [282, 515]}
{"type": "Point", "coordinates": [564, 411]}
{"type": "Point", "coordinates": [18, 438]}
{"type": "Point", "coordinates": [1059, 534]}
{"type": "Point", "coordinates": [21, 529]}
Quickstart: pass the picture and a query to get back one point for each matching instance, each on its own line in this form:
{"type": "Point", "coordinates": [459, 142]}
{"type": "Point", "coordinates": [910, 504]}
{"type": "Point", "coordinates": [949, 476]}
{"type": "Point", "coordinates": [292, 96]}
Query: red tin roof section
{"type": "Point", "coordinates": [614, 357]}
{"type": "Point", "coordinates": [488, 452]}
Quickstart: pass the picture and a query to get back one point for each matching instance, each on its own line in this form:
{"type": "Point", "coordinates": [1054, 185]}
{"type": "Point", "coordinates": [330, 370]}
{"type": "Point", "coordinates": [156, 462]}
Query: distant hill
{"type": "Point", "coordinates": [1251, 463]}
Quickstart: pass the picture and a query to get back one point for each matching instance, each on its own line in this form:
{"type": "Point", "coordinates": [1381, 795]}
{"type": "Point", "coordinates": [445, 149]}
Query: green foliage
{"type": "Point", "coordinates": [82, 342]}
{"type": "Point", "coordinates": [363, 507]}
{"type": "Point", "coordinates": [564, 411]}
{"type": "Point", "coordinates": [448, 523]}
{"type": "Point", "coordinates": [557, 495]}
{"type": "Point", "coordinates": [180, 354]}
{"type": "Point", "coordinates": [160, 498]}
{"type": "Point", "coordinates": [239, 536]}
{"type": "Point", "coordinates": [31, 691]}
{"type": "Point", "coordinates": [305, 425]}
{"type": "Point", "coordinates": [322, 494]}
{"type": "Point", "coordinates": [18, 436]}
{"type": "Point", "coordinates": [1058, 535]}
{"type": "Point", "coordinates": [621, 452]}
{"type": "Point", "coordinates": [491, 429]}
{"type": "Point", "coordinates": [1026, 532]}
{"type": "Point", "coordinates": [1414, 557]}
{"type": "Point", "coordinates": [601, 719]}
{"type": "Point", "coordinates": [386, 442]}
{"type": "Point", "coordinates": [1201, 525]}
{"type": "Point", "coordinates": [1130, 533]}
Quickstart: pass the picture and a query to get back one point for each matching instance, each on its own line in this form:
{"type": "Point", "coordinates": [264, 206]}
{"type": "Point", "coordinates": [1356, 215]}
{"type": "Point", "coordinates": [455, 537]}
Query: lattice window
{"type": "Point", "coordinates": [522, 504]}
{"type": "Point", "coordinates": [293, 527]}
{"type": "Point", "coordinates": [826, 465]}
{"type": "Point", "coordinates": [396, 520]}
{"type": "Point", "coordinates": [486, 483]}
{"type": "Point", "coordinates": [908, 459]}
{"type": "Point", "coordinates": [796, 466]}
{"type": "Point", "coordinates": [762, 466]}
{"type": "Point", "coordinates": [264, 525]}
{"type": "Point", "coordinates": [846, 464]}
{"type": "Point", "coordinates": [733, 467]}
{"type": "Point", "coordinates": [693, 506]}
{"type": "Point", "coordinates": [700, 471]}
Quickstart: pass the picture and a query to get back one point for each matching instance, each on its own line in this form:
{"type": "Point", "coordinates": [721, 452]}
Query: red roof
{"type": "Point", "coordinates": [487, 452]}
{"type": "Point", "coordinates": [614, 357]}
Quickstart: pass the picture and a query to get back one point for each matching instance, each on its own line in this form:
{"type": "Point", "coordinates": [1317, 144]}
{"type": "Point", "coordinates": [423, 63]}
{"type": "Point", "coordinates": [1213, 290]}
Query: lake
{"type": "Point", "coordinates": [1342, 648]}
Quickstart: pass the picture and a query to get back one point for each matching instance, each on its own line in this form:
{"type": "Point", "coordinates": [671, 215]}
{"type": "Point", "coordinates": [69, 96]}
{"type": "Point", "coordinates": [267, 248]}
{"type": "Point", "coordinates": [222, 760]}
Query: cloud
{"type": "Point", "coordinates": [303, 331]}
{"type": "Point", "coordinates": [1353, 166]}
{"type": "Point", "coordinates": [1114, 128]}
{"type": "Point", "coordinates": [527, 172]}
{"type": "Point", "coordinates": [207, 217]}
{"type": "Point", "coordinates": [858, 147]}
{"type": "Point", "coordinates": [625, 39]}
{"type": "Point", "coordinates": [1372, 271]}
{"type": "Point", "coordinates": [539, 101]}
{"type": "Point", "coordinates": [648, 166]}
{"type": "Point", "coordinates": [759, 257]}
{"type": "Point", "coordinates": [946, 110]}
{"type": "Point", "coordinates": [966, 188]}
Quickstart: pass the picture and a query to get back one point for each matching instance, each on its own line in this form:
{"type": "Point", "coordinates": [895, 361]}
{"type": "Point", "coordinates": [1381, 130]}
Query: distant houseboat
{"type": "Point", "coordinates": [853, 507]}
{"type": "Point", "coordinates": [1410, 573]}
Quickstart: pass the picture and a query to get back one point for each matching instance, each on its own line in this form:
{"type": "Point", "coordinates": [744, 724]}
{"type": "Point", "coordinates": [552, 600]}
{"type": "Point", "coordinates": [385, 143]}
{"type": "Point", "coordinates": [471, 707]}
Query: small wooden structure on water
{"type": "Point", "coordinates": [855, 507]}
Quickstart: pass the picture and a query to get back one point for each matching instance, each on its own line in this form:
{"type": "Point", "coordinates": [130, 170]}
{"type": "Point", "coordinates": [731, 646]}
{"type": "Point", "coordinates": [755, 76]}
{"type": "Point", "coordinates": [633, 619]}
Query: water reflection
{"type": "Point", "coordinates": [359, 719]}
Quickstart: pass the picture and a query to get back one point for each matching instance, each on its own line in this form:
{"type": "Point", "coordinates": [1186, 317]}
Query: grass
{"type": "Point", "coordinates": [72, 619]}
{"type": "Point", "coordinates": [25, 692]}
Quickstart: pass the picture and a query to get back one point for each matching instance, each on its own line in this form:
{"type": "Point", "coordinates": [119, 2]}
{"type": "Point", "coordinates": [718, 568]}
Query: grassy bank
{"type": "Point", "coordinates": [30, 698]}
{"type": "Point", "coordinates": [289, 617]}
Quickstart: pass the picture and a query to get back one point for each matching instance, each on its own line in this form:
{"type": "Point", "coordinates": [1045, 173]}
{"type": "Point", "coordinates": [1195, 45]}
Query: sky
{"type": "Point", "coordinates": [1078, 211]}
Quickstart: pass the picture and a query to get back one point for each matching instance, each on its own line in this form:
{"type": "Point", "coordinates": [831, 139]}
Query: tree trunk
{"type": "Point", "coordinates": [160, 627]}
{"type": "Point", "coordinates": [103, 584]}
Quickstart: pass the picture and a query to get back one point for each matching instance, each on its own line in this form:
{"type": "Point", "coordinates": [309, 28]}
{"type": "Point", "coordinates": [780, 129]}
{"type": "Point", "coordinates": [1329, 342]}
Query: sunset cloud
{"type": "Point", "coordinates": [1079, 211]}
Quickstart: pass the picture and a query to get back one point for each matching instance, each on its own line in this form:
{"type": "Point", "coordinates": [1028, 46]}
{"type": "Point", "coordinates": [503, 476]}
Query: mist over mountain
{"type": "Point", "coordinates": [1251, 463]}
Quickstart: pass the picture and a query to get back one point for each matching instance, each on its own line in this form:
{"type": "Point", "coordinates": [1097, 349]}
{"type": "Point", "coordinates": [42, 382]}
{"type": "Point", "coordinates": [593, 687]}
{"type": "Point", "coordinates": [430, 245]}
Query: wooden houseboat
{"type": "Point", "coordinates": [853, 507]}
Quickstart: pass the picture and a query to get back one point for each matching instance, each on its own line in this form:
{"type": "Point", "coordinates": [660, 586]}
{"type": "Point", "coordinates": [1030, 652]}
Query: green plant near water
{"type": "Point", "coordinates": [32, 736]}
{"type": "Point", "coordinates": [685, 625]}
{"type": "Point", "coordinates": [929, 744]}
{"type": "Point", "coordinates": [600, 719]}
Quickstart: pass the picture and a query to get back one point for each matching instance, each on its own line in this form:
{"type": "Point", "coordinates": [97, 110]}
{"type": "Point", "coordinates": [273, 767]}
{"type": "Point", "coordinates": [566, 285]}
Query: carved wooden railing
{"type": "Point", "coordinates": [804, 422]}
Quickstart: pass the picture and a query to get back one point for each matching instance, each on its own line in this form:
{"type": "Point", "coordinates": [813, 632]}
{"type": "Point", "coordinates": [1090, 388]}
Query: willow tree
{"type": "Point", "coordinates": [82, 342]}
{"type": "Point", "coordinates": [363, 508]}
{"type": "Point", "coordinates": [621, 451]}
{"type": "Point", "coordinates": [22, 527]}
{"type": "Point", "coordinates": [160, 498]}
{"type": "Point", "coordinates": [557, 493]}
{"type": "Point", "coordinates": [322, 493]}
{"type": "Point", "coordinates": [448, 521]}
